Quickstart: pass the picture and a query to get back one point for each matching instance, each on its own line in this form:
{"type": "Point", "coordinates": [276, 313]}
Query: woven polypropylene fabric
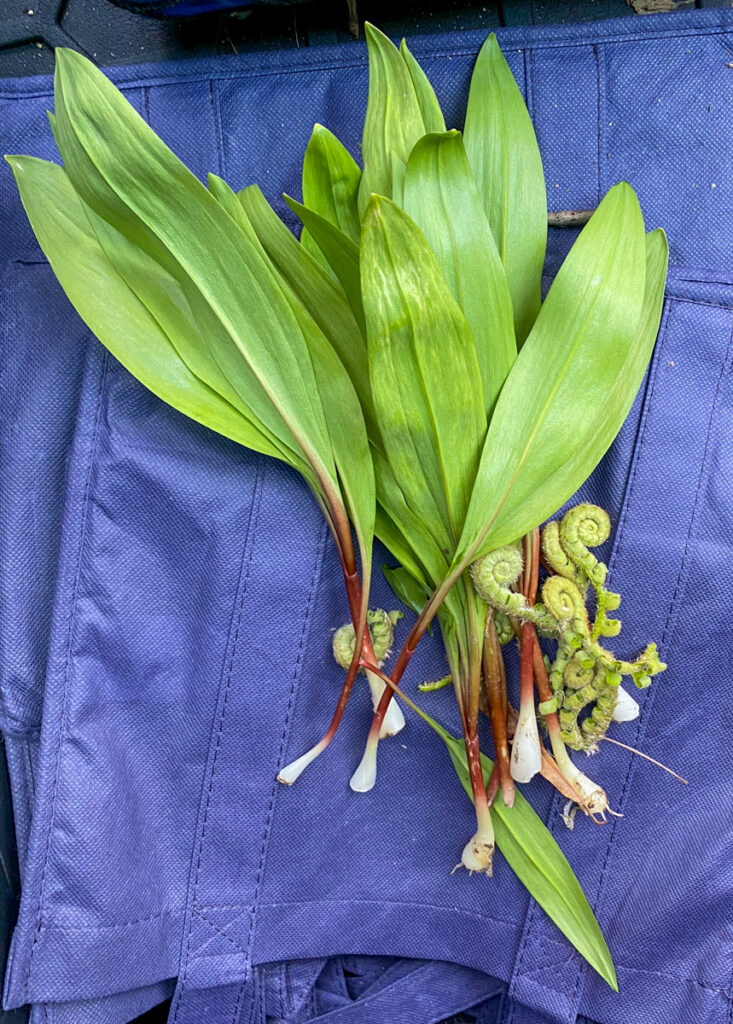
{"type": "Point", "coordinates": [168, 599]}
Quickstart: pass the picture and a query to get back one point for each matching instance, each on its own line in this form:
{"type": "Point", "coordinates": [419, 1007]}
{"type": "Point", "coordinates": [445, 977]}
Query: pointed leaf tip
{"type": "Point", "coordinates": [376, 203]}
{"type": "Point", "coordinates": [66, 57]}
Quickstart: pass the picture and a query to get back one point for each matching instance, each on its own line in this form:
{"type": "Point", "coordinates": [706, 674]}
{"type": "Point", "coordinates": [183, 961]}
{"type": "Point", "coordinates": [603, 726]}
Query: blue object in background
{"type": "Point", "coordinates": [187, 8]}
{"type": "Point", "coordinates": [185, 655]}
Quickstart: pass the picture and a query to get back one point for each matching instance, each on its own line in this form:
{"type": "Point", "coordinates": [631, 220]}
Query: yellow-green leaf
{"type": "Point", "coordinates": [503, 153]}
{"type": "Point", "coordinates": [341, 254]}
{"type": "Point", "coordinates": [425, 378]}
{"type": "Point", "coordinates": [113, 311]}
{"type": "Point", "coordinates": [571, 375]}
{"type": "Point", "coordinates": [432, 115]}
{"type": "Point", "coordinates": [393, 121]}
{"type": "Point", "coordinates": [331, 179]}
{"type": "Point", "coordinates": [323, 297]}
{"type": "Point", "coordinates": [124, 172]}
{"type": "Point", "coordinates": [441, 197]}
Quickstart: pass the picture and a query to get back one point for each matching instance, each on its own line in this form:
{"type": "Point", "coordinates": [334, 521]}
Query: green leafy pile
{"type": "Point", "coordinates": [399, 357]}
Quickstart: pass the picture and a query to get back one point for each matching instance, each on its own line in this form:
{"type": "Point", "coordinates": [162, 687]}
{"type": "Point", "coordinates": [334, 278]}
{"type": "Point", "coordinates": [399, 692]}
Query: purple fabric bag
{"type": "Point", "coordinates": [185, 655]}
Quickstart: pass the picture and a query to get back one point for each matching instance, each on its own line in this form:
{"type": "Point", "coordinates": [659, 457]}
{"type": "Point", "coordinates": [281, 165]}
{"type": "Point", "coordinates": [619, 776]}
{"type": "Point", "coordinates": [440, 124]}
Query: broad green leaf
{"type": "Point", "coordinates": [323, 297]}
{"type": "Point", "coordinates": [432, 115]}
{"type": "Point", "coordinates": [425, 379]}
{"type": "Point", "coordinates": [541, 866]}
{"type": "Point", "coordinates": [348, 435]}
{"type": "Point", "coordinates": [326, 321]}
{"type": "Point", "coordinates": [167, 296]}
{"type": "Point", "coordinates": [393, 121]}
{"type": "Point", "coordinates": [402, 532]}
{"type": "Point", "coordinates": [441, 197]}
{"type": "Point", "coordinates": [571, 374]}
{"type": "Point", "coordinates": [340, 252]}
{"type": "Point", "coordinates": [611, 413]}
{"type": "Point", "coordinates": [503, 153]}
{"type": "Point", "coordinates": [331, 179]}
{"type": "Point", "coordinates": [124, 172]}
{"type": "Point", "coordinates": [111, 309]}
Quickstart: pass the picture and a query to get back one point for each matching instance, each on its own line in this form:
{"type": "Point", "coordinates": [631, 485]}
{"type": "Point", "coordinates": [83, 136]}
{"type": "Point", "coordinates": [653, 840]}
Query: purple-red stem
{"type": "Point", "coordinates": [403, 660]}
{"type": "Point", "coordinates": [497, 706]}
{"type": "Point", "coordinates": [353, 593]}
{"type": "Point", "coordinates": [544, 690]}
{"type": "Point", "coordinates": [475, 771]}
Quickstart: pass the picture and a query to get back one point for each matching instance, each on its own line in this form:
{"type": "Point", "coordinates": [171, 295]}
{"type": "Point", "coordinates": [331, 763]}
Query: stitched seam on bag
{"type": "Point", "coordinates": [247, 555]}
{"type": "Point", "coordinates": [422, 53]}
{"type": "Point", "coordinates": [280, 976]}
{"type": "Point", "coordinates": [528, 83]}
{"type": "Point", "coordinates": [283, 739]}
{"type": "Point", "coordinates": [67, 655]}
{"type": "Point", "coordinates": [557, 800]}
{"type": "Point", "coordinates": [203, 942]}
{"type": "Point", "coordinates": [700, 302]}
{"type": "Point", "coordinates": [214, 100]}
{"type": "Point", "coordinates": [600, 54]}
{"type": "Point", "coordinates": [243, 583]}
{"type": "Point", "coordinates": [379, 903]}
{"type": "Point", "coordinates": [674, 977]}
{"type": "Point", "coordinates": [702, 479]}
{"type": "Point", "coordinates": [219, 931]}
{"type": "Point", "coordinates": [27, 785]}
{"type": "Point", "coordinates": [670, 621]}
{"type": "Point", "coordinates": [527, 932]}
{"type": "Point", "coordinates": [53, 926]}
{"type": "Point", "coordinates": [238, 1003]}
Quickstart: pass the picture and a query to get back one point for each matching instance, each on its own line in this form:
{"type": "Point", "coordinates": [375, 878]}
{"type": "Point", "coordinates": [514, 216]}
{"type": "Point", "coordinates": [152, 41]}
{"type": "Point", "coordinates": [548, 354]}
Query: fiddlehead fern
{"type": "Point", "coordinates": [556, 671]}
{"type": "Point", "coordinates": [504, 628]}
{"type": "Point", "coordinates": [381, 629]}
{"type": "Point", "coordinates": [596, 724]}
{"type": "Point", "coordinates": [565, 602]}
{"type": "Point", "coordinates": [576, 699]}
{"type": "Point", "coordinates": [583, 527]}
{"type": "Point", "coordinates": [493, 576]}
{"type": "Point", "coordinates": [584, 676]}
{"type": "Point", "coordinates": [579, 671]}
{"type": "Point", "coordinates": [584, 672]}
{"type": "Point", "coordinates": [557, 558]}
